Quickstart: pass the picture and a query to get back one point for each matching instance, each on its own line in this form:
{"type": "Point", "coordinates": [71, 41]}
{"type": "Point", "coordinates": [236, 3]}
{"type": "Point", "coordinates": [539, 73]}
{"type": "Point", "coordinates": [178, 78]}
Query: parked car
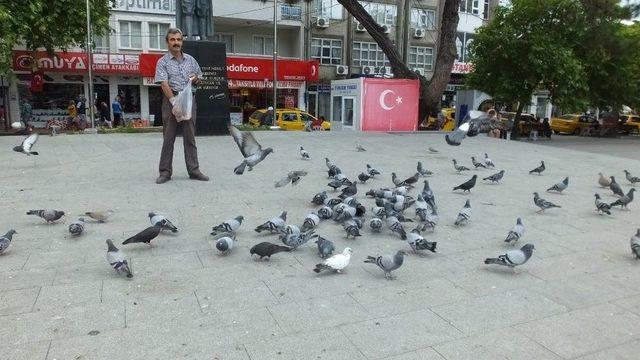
{"type": "Point", "coordinates": [570, 123]}
{"type": "Point", "coordinates": [630, 123]}
{"type": "Point", "coordinates": [527, 122]}
{"type": "Point", "coordinates": [287, 119]}
{"type": "Point", "coordinates": [446, 120]}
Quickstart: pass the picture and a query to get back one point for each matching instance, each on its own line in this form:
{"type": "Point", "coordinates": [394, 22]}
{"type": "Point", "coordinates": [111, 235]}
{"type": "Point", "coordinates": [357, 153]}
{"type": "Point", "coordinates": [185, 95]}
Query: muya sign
{"type": "Point", "coordinates": [76, 62]}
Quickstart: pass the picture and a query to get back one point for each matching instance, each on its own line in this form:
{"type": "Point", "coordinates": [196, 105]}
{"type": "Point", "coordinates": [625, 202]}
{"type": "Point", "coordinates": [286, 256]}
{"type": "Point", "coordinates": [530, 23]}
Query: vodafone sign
{"type": "Point", "coordinates": [242, 68]}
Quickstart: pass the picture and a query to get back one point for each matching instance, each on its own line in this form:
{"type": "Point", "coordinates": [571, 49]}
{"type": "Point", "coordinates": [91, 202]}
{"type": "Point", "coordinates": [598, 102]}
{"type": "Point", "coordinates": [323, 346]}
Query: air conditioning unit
{"type": "Point", "coordinates": [360, 28]}
{"type": "Point", "coordinates": [418, 71]}
{"type": "Point", "coordinates": [322, 22]}
{"type": "Point", "coordinates": [342, 70]}
{"type": "Point", "coordinates": [386, 29]}
{"type": "Point", "coordinates": [367, 70]}
{"type": "Point", "coordinates": [418, 33]}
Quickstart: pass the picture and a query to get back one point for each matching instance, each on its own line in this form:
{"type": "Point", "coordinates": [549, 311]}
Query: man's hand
{"type": "Point", "coordinates": [172, 100]}
{"type": "Point", "coordinates": [194, 79]}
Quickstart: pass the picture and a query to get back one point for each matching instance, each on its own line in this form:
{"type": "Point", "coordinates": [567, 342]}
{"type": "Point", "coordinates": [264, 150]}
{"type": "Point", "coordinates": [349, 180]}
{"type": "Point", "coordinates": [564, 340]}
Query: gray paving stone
{"type": "Point", "coordinates": [161, 310]}
{"type": "Point", "coordinates": [234, 298]}
{"type": "Point", "coordinates": [422, 354]}
{"type": "Point", "coordinates": [28, 351]}
{"type": "Point", "coordinates": [18, 301]}
{"type": "Point", "coordinates": [23, 279]}
{"type": "Point", "coordinates": [68, 295]}
{"type": "Point", "coordinates": [626, 351]}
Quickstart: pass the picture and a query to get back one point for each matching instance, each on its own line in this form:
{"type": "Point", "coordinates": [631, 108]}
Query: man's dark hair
{"type": "Point", "coordinates": [172, 31]}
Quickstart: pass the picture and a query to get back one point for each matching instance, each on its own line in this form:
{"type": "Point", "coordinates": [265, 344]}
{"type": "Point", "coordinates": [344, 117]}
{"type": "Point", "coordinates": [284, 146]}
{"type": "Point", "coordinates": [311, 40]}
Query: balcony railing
{"type": "Point", "coordinates": [289, 12]}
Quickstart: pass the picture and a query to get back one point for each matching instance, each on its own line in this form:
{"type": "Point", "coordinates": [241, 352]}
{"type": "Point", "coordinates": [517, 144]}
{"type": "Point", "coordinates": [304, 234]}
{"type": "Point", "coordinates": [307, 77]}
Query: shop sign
{"type": "Point", "coordinates": [254, 84]}
{"type": "Point", "coordinates": [167, 7]}
{"type": "Point", "coordinates": [462, 68]}
{"type": "Point", "coordinates": [77, 62]}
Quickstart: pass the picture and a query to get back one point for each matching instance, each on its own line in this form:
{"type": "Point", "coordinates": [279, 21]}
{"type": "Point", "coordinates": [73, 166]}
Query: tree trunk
{"type": "Point", "coordinates": [515, 132]}
{"type": "Point", "coordinates": [430, 90]}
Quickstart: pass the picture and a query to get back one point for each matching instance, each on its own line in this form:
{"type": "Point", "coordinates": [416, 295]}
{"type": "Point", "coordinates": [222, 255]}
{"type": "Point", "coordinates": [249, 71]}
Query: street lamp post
{"type": "Point", "coordinates": [90, 65]}
{"type": "Point", "coordinates": [275, 60]}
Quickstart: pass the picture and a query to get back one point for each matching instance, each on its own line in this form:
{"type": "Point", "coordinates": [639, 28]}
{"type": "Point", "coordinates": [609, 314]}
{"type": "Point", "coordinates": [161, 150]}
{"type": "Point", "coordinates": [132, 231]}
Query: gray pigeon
{"type": "Point", "coordinates": [372, 171]}
{"type": "Point", "coordinates": [467, 185]}
{"type": "Point", "coordinates": [117, 260]}
{"type": "Point", "coordinates": [603, 181]}
{"type": "Point", "coordinates": [77, 227]}
{"type": "Point", "coordinates": [229, 226]}
{"type": "Point", "coordinates": [477, 164]}
{"type": "Point", "coordinates": [352, 228]}
{"type": "Point", "coordinates": [163, 221]}
{"type": "Point", "coordinates": [513, 258]}
{"type": "Point", "coordinates": [635, 245]}
{"type": "Point", "coordinates": [459, 168]}
{"type": "Point", "coordinates": [417, 242]}
{"type": "Point", "coordinates": [387, 263]}
{"type": "Point", "coordinates": [432, 220]}
{"type": "Point", "coordinates": [422, 208]}
{"type": "Point", "coordinates": [145, 236]}
{"type": "Point", "coordinates": [251, 150]}
{"type": "Point", "coordinates": [310, 222]}
{"type": "Point", "coordinates": [49, 216]}
{"type": "Point", "coordinates": [274, 224]}
{"type": "Point", "coordinates": [542, 203]}
{"type": "Point", "coordinates": [624, 201]}
{"type": "Point", "coordinates": [488, 161]}
{"type": "Point", "coordinates": [428, 196]}
{"type": "Point", "coordinates": [615, 187]}
{"type": "Point", "coordinates": [516, 233]}
{"type": "Point", "coordinates": [319, 198]}
{"type": "Point", "coordinates": [325, 247]}
{"type": "Point", "coordinates": [410, 181]}
{"type": "Point", "coordinates": [292, 177]}
{"type": "Point", "coordinates": [291, 229]}
{"type": "Point", "coordinates": [325, 213]}
{"type": "Point", "coordinates": [632, 179]}
{"type": "Point", "coordinates": [394, 178]}
{"type": "Point", "coordinates": [267, 249]}
{"type": "Point", "coordinates": [495, 178]}
{"type": "Point", "coordinates": [296, 240]}
{"type": "Point", "coordinates": [375, 224]}
{"type": "Point", "coordinates": [423, 172]}
{"type": "Point", "coordinates": [27, 145]}
{"type": "Point", "coordinates": [5, 240]}
{"type": "Point", "coordinates": [464, 215]}
{"type": "Point", "coordinates": [328, 163]}
{"type": "Point", "coordinates": [360, 148]}
{"type": "Point", "coordinates": [363, 177]}
{"type": "Point", "coordinates": [304, 153]}
{"type": "Point", "coordinates": [561, 186]}
{"type": "Point", "coordinates": [225, 243]}
{"type": "Point", "coordinates": [332, 202]}
{"type": "Point", "coordinates": [539, 169]}
{"type": "Point", "coordinates": [349, 190]}
{"type": "Point", "coordinates": [601, 206]}
{"type": "Point", "coordinates": [396, 226]}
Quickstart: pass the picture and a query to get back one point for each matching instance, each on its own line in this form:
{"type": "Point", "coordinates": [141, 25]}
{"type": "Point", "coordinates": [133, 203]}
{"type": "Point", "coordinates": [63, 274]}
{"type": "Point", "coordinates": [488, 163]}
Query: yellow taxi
{"type": "Point", "coordinates": [631, 122]}
{"type": "Point", "coordinates": [569, 123]}
{"type": "Point", "coordinates": [288, 119]}
{"type": "Point", "coordinates": [446, 117]}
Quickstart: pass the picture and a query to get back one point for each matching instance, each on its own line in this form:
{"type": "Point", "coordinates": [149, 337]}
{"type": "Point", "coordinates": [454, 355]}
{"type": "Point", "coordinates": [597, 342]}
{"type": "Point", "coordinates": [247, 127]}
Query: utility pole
{"type": "Point", "coordinates": [275, 60]}
{"type": "Point", "coordinates": [90, 65]}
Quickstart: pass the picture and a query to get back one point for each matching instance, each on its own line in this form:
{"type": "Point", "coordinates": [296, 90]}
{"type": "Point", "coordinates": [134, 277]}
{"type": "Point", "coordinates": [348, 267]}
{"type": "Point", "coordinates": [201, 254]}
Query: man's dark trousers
{"type": "Point", "coordinates": [169, 128]}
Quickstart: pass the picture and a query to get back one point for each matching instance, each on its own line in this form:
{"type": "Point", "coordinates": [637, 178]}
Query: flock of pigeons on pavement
{"type": "Point", "coordinates": [392, 209]}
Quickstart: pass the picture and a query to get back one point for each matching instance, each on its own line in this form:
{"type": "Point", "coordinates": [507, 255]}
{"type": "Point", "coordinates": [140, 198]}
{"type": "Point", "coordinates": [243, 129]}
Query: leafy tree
{"type": "Point", "coordinates": [48, 24]}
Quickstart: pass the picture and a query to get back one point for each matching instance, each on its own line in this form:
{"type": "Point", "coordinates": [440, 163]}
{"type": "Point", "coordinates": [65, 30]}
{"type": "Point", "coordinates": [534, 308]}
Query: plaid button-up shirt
{"type": "Point", "coordinates": [177, 71]}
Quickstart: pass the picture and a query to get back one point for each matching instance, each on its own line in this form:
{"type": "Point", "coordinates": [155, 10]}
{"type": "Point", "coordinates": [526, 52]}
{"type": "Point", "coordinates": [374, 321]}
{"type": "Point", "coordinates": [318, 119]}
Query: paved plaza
{"type": "Point", "coordinates": [577, 298]}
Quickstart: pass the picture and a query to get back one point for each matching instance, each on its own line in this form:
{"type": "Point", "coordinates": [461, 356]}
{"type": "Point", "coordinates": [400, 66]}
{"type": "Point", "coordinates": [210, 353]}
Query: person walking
{"type": "Point", "coordinates": [117, 111]}
{"type": "Point", "coordinates": [173, 71]}
{"type": "Point", "coordinates": [81, 108]}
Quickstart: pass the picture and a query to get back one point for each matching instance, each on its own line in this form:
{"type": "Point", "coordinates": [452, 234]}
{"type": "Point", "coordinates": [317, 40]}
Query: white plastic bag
{"type": "Point", "coordinates": [184, 103]}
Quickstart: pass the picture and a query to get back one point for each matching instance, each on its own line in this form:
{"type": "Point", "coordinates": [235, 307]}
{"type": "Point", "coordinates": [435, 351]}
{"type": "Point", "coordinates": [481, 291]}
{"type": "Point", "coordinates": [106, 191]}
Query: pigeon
{"type": "Point", "coordinates": [251, 150]}
{"type": "Point", "coordinates": [516, 233]}
{"type": "Point", "coordinates": [225, 243]}
{"type": "Point", "coordinates": [601, 206]}
{"type": "Point", "coordinates": [116, 259]}
{"type": "Point", "coordinates": [291, 229]}
{"type": "Point", "coordinates": [559, 187]}
{"type": "Point", "coordinates": [624, 201]}
{"type": "Point", "coordinates": [488, 161]}
{"type": "Point", "coordinates": [464, 215]}
{"type": "Point", "coordinates": [615, 187]}
{"type": "Point", "coordinates": [432, 150]}
{"type": "Point", "coordinates": [304, 153]}
{"type": "Point", "coordinates": [395, 180]}
{"type": "Point", "coordinates": [379, 211]}
{"type": "Point", "coordinates": [165, 223]}
{"type": "Point", "coordinates": [632, 179]}
{"type": "Point", "coordinates": [635, 244]}
{"type": "Point", "coordinates": [333, 171]}
{"type": "Point", "coordinates": [603, 181]}
{"type": "Point", "coordinates": [335, 183]}
{"type": "Point", "coordinates": [267, 249]}
{"type": "Point", "coordinates": [229, 226]}
{"type": "Point", "coordinates": [352, 228]}
{"type": "Point", "coordinates": [542, 203]}
{"type": "Point", "coordinates": [325, 247]}
{"type": "Point", "coordinates": [77, 227]}
{"type": "Point", "coordinates": [372, 171]}
{"type": "Point", "coordinates": [396, 226]}
{"type": "Point", "coordinates": [359, 148]}
{"type": "Point", "coordinates": [325, 213]}
{"type": "Point", "coordinates": [477, 164]}
{"type": "Point", "coordinates": [422, 208]}
{"type": "Point", "coordinates": [513, 258]}
{"type": "Point", "coordinates": [145, 236]}
{"type": "Point", "coordinates": [332, 202]}
{"type": "Point", "coordinates": [350, 190]}
{"type": "Point", "coordinates": [49, 215]}
{"type": "Point", "coordinates": [5, 240]}
{"type": "Point", "coordinates": [410, 181]}
{"type": "Point", "coordinates": [428, 196]}
{"type": "Point", "coordinates": [468, 185]}
{"type": "Point", "coordinates": [495, 178]}
{"type": "Point", "coordinates": [363, 177]}
{"type": "Point", "coordinates": [274, 224]}
{"type": "Point", "coordinates": [311, 221]}
{"type": "Point", "coordinates": [292, 177]}
{"type": "Point", "coordinates": [27, 145]}
{"type": "Point", "coordinates": [422, 171]}
{"type": "Point", "coordinates": [346, 212]}
{"type": "Point", "coordinates": [459, 168]}
{"type": "Point", "coordinates": [99, 216]}
{"type": "Point", "coordinates": [418, 243]}
{"type": "Point", "coordinates": [337, 262]}
{"type": "Point", "coordinates": [432, 220]}
{"type": "Point", "coordinates": [387, 263]}
{"type": "Point", "coordinates": [319, 198]}
{"type": "Point", "coordinates": [375, 224]}
{"type": "Point", "coordinates": [539, 169]}
{"type": "Point", "coordinates": [296, 240]}
{"type": "Point", "coordinates": [329, 163]}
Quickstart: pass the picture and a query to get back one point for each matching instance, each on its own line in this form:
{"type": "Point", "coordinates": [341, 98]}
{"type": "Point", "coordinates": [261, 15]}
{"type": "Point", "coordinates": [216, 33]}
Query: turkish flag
{"type": "Point", "coordinates": [37, 81]}
{"type": "Point", "coordinates": [390, 104]}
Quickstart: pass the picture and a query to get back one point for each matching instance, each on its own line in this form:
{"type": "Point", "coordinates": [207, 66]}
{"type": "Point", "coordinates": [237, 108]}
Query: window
{"type": "Point", "coordinates": [368, 54]}
{"type": "Point", "coordinates": [263, 45]}
{"type": "Point", "coordinates": [470, 6]}
{"type": "Point", "coordinates": [227, 39]}
{"type": "Point", "coordinates": [329, 9]}
{"type": "Point", "coordinates": [384, 14]}
{"type": "Point", "coordinates": [289, 117]}
{"type": "Point", "coordinates": [486, 10]}
{"type": "Point", "coordinates": [131, 34]}
{"type": "Point", "coordinates": [326, 51]}
{"type": "Point", "coordinates": [157, 35]}
{"type": "Point", "coordinates": [421, 57]}
{"type": "Point", "coordinates": [101, 44]}
{"type": "Point", "coordinates": [423, 19]}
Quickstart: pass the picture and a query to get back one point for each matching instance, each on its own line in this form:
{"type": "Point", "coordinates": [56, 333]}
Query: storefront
{"type": "Point", "coordinates": [456, 81]}
{"type": "Point", "coordinates": [250, 82]}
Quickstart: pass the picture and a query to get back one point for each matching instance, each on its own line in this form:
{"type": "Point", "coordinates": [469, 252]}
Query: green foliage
{"type": "Point", "coordinates": [48, 24]}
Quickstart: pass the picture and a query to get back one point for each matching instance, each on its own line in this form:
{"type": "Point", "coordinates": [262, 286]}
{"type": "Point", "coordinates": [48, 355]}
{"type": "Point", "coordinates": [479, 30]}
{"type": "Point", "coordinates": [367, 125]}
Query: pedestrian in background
{"type": "Point", "coordinates": [117, 111]}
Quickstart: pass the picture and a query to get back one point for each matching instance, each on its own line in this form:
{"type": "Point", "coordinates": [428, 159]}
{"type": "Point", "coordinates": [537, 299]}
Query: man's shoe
{"type": "Point", "coordinates": [199, 176]}
{"type": "Point", "coordinates": [162, 179]}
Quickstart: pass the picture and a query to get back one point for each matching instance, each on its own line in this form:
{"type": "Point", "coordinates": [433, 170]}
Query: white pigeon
{"type": "Point", "coordinates": [117, 260]}
{"type": "Point", "coordinates": [27, 145]}
{"type": "Point", "coordinates": [488, 161]}
{"type": "Point", "coordinates": [604, 181]}
{"type": "Point", "coordinates": [304, 153]}
{"type": "Point", "coordinates": [335, 263]}
{"type": "Point", "coordinates": [516, 233]}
